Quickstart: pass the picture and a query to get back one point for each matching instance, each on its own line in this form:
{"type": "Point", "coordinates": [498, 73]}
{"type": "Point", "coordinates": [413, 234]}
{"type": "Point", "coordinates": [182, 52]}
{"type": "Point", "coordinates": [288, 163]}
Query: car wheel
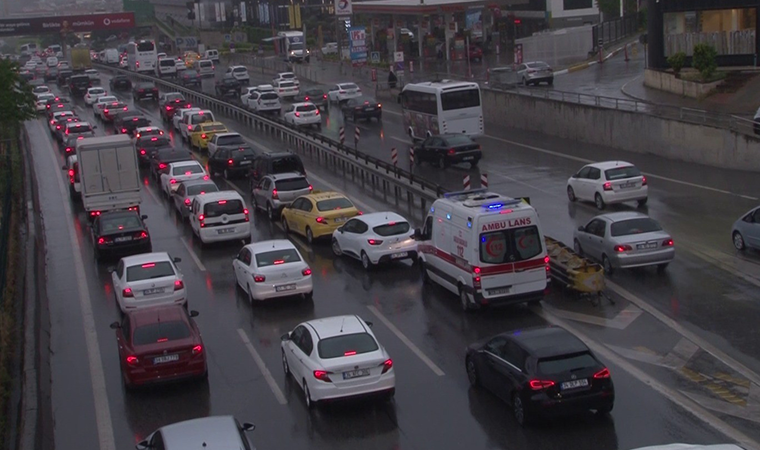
{"type": "Point", "coordinates": [366, 263]}
{"type": "Point", "coordinates": [550, 82]}
{"type": "Point", "coordinates": [270, 212]}
{"type": "Point", "coordinates": [472, 371]}
{"type": "Point", "coordinates": [605, 410]}
{"type": "Point", "coordinates": [250, 295]}
{"type": "Point", "coordinates": [285, 226]}
{"type": "Point", "coordinates": [464, 299]}
{"type": "Point", "coordinates": [424, 272]}
{"type": "Point", "coordinates": [307, 396]}
{"type": "Point", "coordinates": [607, 265]}
{"type": "Point", "coordinates": [519, 410]}
{"type": "Point", "coordinates": [739, 241]}
{"type": "Point", "coordinates": [309, 236]}
{"type": "Point", "coordinates": [571, 194]}
{"type": "Point", "coordinates": [599, 201]}
{"type": "Point", "coordinates": [525, 81]}
{"type": "Point", "coordinates": [661, 267]}
{"type": "Point", "coordinates": [643, 202]}
{"type": "Point", "coordinates": [285, 367]}
{"type": "Point", "coordinates": [336, 248]}
{"type": "Point", "coordinates": [577, 247]}
{"type": "Point", "coordinates": [441, 162]}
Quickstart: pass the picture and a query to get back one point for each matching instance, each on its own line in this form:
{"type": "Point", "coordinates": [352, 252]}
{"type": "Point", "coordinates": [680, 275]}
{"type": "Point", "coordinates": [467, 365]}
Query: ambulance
{"type": "Point", "coordinates": [485, 247]}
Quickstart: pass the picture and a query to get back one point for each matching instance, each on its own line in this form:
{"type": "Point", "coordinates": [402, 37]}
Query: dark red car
{"type": "Point", "coordinates": [476, 53]}
{"type": "Point", "coordinates": [159, 344]}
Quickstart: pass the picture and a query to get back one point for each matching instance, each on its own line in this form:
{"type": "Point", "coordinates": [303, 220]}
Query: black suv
{"type": "Point", "coordinates": [147, 145]}
{"type": "Point", "coordinates": [63, 76]}
{"type": "Point", "coordinates": [120, 82]}
{"type": "Point", "coordinates": [231, 160]}
{"type": "Point", "coordinates": [129, 121]}
{"type": "Point", "coordinates": [78, 85]}
{"type": "Point", "coordinates": [274, 163]}
{"type": "Point", "coordinates": [160, 160]}
{"type": "Point", "coordinates": [228, 86]}
{"type": "Point", "coordinates": [144, 90]}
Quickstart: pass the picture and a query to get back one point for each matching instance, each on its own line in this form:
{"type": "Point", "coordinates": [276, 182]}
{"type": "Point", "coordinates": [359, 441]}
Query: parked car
{"type": "Point", "coordinates": [746, 231]}
{"type": "Point", "coordinates": [363, 107]}
{"type": "Point", "coordinates": [535, 73]}
{"type": "Point", "coordinates": [447, 149]}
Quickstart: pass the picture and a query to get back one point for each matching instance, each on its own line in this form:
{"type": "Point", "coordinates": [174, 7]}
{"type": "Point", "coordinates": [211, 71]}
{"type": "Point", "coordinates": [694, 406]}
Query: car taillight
{"type": "Point", "coordinates": [187, 201]}
{"type": "Point", "coordinates": [123, 131]}
{"type": "Point", "coordinates": [374, 242]}
{"type": "Point", "coordinates": [341, 92]}
{"type": "Point", "coordinates": [324, 96]}
{"type": "Point", "coordinates": [451, 151]}
{"type": "Point", "coordinates": [168, 108]}
{"type": "Point", "coordinates": [69, 149]}
{"type": "Point", "coordinates": [322, 375]}
{"type": "Point", "coordinates": [245, 211]}
{"type": "Point", "coordinates": [142, 151]}
{"type": "Point", "coordinates": [178, 284]}
{"type": "Point", "coordinates": [321, 220]}
{"type": "Point", "coordinates": [132, 360]}
{"type": "Point", "coordinates": [275, 195]}
{"type": "Point", "coordinates": [173, 181]}
{"type": "Point", "coordinates": [57, 127]}
{"type": "Point", "coordinates": [538, 385]}
{"type": "Point", "coordinates": [201, 218]}
{"type": "Point", "coordinates": [311, 188]}
{"type": "Point", "coordinates": [387, 365]}
{"type": "Point", "coordinates": [141, 90]}
{"type": "Point", "coordinates": [316, 113]}
{"type": "Point", "coordinates": [141, 235]}
{"type": "Point", "coordinates": [203, 136]}
{"type": "Point", "coordinates": [105, 111]}
{"type": "Point", "coordinates": [298, 114]}
{"type": "Point", "coordinates": [259, 278]}
{"type": "Point", "coordinates": [71, 172]}
{"type": "Point", "coordinates": [230, 162]}
{"type": "Point", "coordinates": [197, 349]}
{"type": "Point", "coordinates": [604, 373]}
{"type": "Point", "coordinates": [205, 177]}
{"type": "Point", "coordinates": [546, 263]}
{"type": "Point", "coordinates": [94, 213]}
{"type": "Point", "coordinates": [189, 128]}
{"type": "Point", "coordinates": [623, 248]}
{"type": "Point", "coordinates": [161, 166]}
{"type": "Point", "coordinates": [643, 181]}
{"type": "Point", "coordinates": [306, 272]}
{"type": "Point", "coordinates": [127, 292]}
{"type": "Point", "coordinates": [607, 186]}
{"type": "Point", "coordinates": [667, 243]}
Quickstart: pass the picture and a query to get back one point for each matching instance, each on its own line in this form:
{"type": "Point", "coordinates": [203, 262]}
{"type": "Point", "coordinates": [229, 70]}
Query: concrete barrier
{"type": "Point", "coordinates": [630, 131]}
{"type": "Point", "coordinates": [668, 82]}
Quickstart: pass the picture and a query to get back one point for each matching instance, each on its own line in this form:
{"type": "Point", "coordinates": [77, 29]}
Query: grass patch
{"type": "Point", "coordinates": [696, 77]}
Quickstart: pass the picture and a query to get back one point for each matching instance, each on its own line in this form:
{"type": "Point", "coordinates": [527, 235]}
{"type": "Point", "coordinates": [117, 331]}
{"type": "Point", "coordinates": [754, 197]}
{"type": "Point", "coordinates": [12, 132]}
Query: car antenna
{"type": "Point", "coordinates": [342, 323]}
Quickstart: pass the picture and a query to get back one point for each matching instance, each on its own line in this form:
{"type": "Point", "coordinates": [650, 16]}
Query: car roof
{"type": "Point", "coordinates": [604, 165]}
{"type": "Point", "coordinates": [274, 155]}
{"type": "Point", "coordinates": [546, 342]}
{"type": "Point", "coordinates": [220, 195]}
{"type": "Point", "coordinates": [214, 432]}
{"type": "Point", "coordinates": [623, 215]}
{"type": "Point", "coordinates": [274, 244]}
{"type": "Point", "coordinates": [336, 326]}
{"type": "Point", "coordinates": [284, 176]}
{"type": "Point", "coordinates": [324, 195]}
{"type": "Point", "coordinates": [156, 314]}
{"type": "Point", "coordinates": [143, 258]}
{"type": "Point", "coordinates": [381, 218]}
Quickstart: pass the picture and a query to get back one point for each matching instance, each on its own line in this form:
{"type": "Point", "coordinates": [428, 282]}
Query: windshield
{"type": "Point", "coordinates": [187, 169]}
{"type": "Point", "coordinates": [511, 245]}
{"type": "Point", "coordinates": [216, 209]}
{"type": "Point", "coordinates": [229, 140]}
{"type": "Point", "coordinates": [346, 345]}
{"type": "Point", "coordinates": [150, 271]}
{"type": "Point", "coordinates": [466, 98]}
{"type": "Point", "coordinates": [392, 229]}
{"type": "Point", "coordinates": [296, 46]}
{"type": "Point", "coordinates": [619, 173]}
{"type": "Point", "coordinates": [198, 189]}
{"type": "Point", "coordinates": [634, 226]}
{"type": "Point", "coordinates": [334, 204]}
{"type": "Point", "coordinates": [160, 332]}
{"type": "Point", "coordinates": [277, 257]}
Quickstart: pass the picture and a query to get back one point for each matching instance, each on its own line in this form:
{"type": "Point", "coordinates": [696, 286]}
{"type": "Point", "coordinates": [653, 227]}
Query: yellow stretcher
{"type": "Point", "coordinates": [574, 272]}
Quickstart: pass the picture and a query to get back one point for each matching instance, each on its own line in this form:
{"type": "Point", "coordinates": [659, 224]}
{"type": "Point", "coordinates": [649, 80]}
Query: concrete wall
{"type": "Point", "coordinates": [558, 48]}
{"type": "Point", "coordinates": [622, 130]}
{"type": "Point", "coordinates": [667, 82]}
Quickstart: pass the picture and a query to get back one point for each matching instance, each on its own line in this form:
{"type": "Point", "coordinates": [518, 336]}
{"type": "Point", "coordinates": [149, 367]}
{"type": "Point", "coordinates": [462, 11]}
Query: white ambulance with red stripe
{"type": "Point", "coordinates": [487, 248]}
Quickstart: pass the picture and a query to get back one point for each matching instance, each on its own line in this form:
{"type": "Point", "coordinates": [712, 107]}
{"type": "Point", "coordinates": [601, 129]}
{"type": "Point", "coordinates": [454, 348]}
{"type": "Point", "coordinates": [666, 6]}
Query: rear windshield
{"type": "Point", "coordinates": [155, 142]}
{"type": "Point", "coordinates": [77, 129]}
{"type": "Point", "coordinates": [80, 79]}
{"type": "Point", "coordinates": [205, 64]}
{"type": "Point", "coordinates": [291, 184]}
{"type": "Point", "coordinates": [350, 344]}
{"type": "Point", "coordinates": [566, 363]}
{"type": "Point", "coordinates": [334, 203]}
{"type": "Point", "coordinates": [202, 189]}
{"type": "Point", "coordinates": [170, 97]}
{"type": "Point", "coordinates": [213, 128]}
{"type": "Point", "coordinates": [200, 118]}
{"type": "Point", "coordinates": [459, 140]}
{"type": "Point", "coordinates": [277, 257]}
{"type": "Point", "coordinates": [242, 152]}
{"type": "Point", "coordinates": [538, 65]}
{"type": "Point", "coordinates": [288, 164]}
{"type": "Point", "coordinates": [145, 46]}
{"type": "Point", "coordinates": [269, 96]}
{"type": "Point", "coordinates": [149, 271]}
{"type": "Point", "coordinates": [287, 76]}
{"type": "Point", "coordinates": [305, 108]}
{"type": "Point", "coordinates": [511, 245]}
{"type": "Point", "coordinates": [216, 209]}
{"type": "Point", "coordinates": [97, 91]}
{"type": "Point", "coordinates": [160, 332]}
{"type": "Point", "coordinates": [167, 62]}
{"type": "Point", "coordinates": [189, 169]}
{"type": "Point", "coordinates": [634, 226]}
{"type": "Point", "coordinates": [467, 98]}
{"type": "Point", "coordinates": [230, 140]}
{"type": "Point", "coordinates": [315, 93]}
{"type": "Point", "coordinates": [392, 229]}
{"type": "Point", "coordinates": [349, 86]}
{"type": "Point", "coordinates": [619, 173]}
{"type": "Point", "coordinates": [239, 69]}
{"type": "Point", "coordinates": [115, 224]}
{"type": "Point", "coordinates": [190, 73]}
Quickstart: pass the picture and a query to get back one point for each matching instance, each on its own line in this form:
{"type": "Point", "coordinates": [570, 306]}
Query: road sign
{"type": "Point", "coordinates": [228, 38]}
{"type": "Point", "coordinates": [186, 43]}
{"type": "Point", "coordinates": [375, 57]}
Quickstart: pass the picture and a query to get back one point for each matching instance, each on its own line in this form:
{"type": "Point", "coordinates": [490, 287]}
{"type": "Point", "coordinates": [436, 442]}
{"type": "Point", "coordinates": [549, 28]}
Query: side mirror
{"type": "Point", "coordinates": [340, 229]}
{"type": "Point", "coordinates": [575, 175]}
{"type": "Point", "coordinates": [142, 445]}
{"type": "Point", "coordinates": [194, 313]}
{"type": "Point", "coordinates": [417, 234]}
{"type": "Point", "coordinates": [285, 337]}
{"type": "Point", "coordinates": [111, 269]}
{"type": "Point", "coordinates": [581, 228]}
{"type": "Point", "coordinates": [370, 324]}
{"type": "Point", "coordinates": [143, 217]}
{"type": "Point", "coordinates": [115, 325]}
{"type": "Point", "coordinates": [176, 260]}
{"type": "Point", "coordinates": [247, 426]}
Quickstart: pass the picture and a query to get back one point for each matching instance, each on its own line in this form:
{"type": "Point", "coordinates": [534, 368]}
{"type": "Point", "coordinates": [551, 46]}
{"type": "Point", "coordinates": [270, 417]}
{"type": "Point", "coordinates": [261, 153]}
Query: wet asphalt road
{"type": "Point", "coordinates": [429, 411]}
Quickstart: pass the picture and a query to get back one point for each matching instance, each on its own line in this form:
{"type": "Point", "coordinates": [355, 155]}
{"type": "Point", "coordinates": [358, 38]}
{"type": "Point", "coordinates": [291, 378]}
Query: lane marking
{"type": "Point", "coordinates": [232, 185]}
{"type": "Point", "coordinates": [428, 362]}
{"type": "Point", "coordinates": [102, 409]}
{"type": "Point", "coordinates": [193, 255]}
{"type": "Point", "coordinates": [673, 395]}
{"type": "Point", "coordinates": [263, 368]}
{"type": "Point", "coordinates": [620, 322]}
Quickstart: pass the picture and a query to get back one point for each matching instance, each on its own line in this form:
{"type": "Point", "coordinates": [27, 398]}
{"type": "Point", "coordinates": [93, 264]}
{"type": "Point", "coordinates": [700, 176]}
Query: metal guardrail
{"type": "Point", "coordinates": [363, 169]}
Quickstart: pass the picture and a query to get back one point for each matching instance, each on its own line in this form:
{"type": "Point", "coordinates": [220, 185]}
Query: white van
{"type": "Point", "coordinates": [166, 67]}
{"type": "Point", "coordinates": [485, 247]}
{"type": "Point", "coordinates": [211, 54]}
{"type": "Point", "coordinates": [111, 56]}
{"type": "Point", "coordinates": [220, 216]}
{"type": "Point", "coordinates": [205, 67]}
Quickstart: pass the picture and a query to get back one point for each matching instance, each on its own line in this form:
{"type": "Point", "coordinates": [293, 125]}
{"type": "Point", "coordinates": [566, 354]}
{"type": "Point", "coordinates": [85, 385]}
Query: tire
{"type": "Point", "coordinates": [309, 236]}
{"type": "Point", "coordinates": [366, 263]}
{"type": "Point", "coordinates": [250, 296]}
{"type": "Point", "coordinates": [424, 273]}
{"type": "Point", "coordinates": [577, 247]}
{"type": "Point", "coordinates": [571, 194]}
{"type": "Point", "coordinates": [525, 81]}
{"type": "Point", "coordinates": [464, 300]}
{"type": "Point", "coordinates": [285, 226]}
{"type": "Point", "coordinates": [309, 296]}
{"type": "Point", "coordinates": [307, 396]}
{"type": "Point", "coordinates": [474, 164]}
{"type": "Point", "coordinates": [442, 162]}
{"type": "Point", "coordinates": [285, 366]}
{"type": "Point", "coordinates": [472, 372]}
{"type": "Point", "coordinates": [550, 82]}
{"type": "Point", "coordinates": [642, 202]}
{"type": "Point", "coordinates": [336, 248]}
{"type": "Point", "coordinates": [608, 269]}
{"type": "Point", "coordinates": [599, 202]}
{"type": "Point", "coordinates": [738, 240]}
{"type": "Point", "coordinates": [661, 267]}
{"type": "Point", "coordinates": [604, 411]}
{"type": "Point", "coordinates": [518, 409]}
{"type": "Point", "coordinates": [271, 214]}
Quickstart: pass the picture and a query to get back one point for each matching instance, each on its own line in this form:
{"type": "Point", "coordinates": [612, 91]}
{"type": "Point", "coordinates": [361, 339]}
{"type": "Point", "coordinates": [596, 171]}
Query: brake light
{"type": "Point", "coordinates": [141, 235]}
{"type": "Point", "coordinates": [607, 186]}
{"type": "Point", "coordinates": [189, 128]}
{"type": "Point", "coordinates": [451, 151]}
{"type": "Point", "coordinates": [105, 111]}
{"type": "Point", "coordinates": [230, 162]}
{"type": "Point", "coordinates": [298, 114]}
{"type": "Point", "coordinates": [341, 92]}
{"type": "Point", "coordinates": [311, 188]}
{"type": "Point", "coordinates": [387, 365]}
{"type": "Point", "coordinates": [205, 177]}
{"type": "Point", "coordinates": [132, 360]}
{"type": "Point", "coordinates": [178, 284]}
{"type": "Point", "coordinates": [200, 220]}
{"type": "Point", "coordinates": [259, 278]}
{"type": "Point", "coordinates": [476, 270]}
{"type": "Point", "coordinates": [306, 272]}
{"type": "Point", "coordinates": [161, 166]}
{"type": "Point", "coordinates": [322, 375]}
{"type": "Point", "coordinates": [275, 195]}
{"type": "Point", "coordinates": [142, 151]}
{"type": "Point", "coordinates": [667, 243]}
{"type": "Point", "coordinates": [604, 373]}
{"type": "Point", "coordinates": [123, 131]}
{"type": "Point", "coordinates": [324, 96]}
{"type": "Point", "coordinates": [538, 385]}
{"type": "Point", "coordinates": [546, 262]}
{"type": "Point", "coordinates": [350, 353]}
{"type": "Point", "coordinates": [374, 241]}
{"type": "Point", "coordinates": [71, 172]}
{"type": "Point", "coordinates": [127, 292]}
{"type": "Point", "coordinates": [197, 349]}
{"type": "Point", "coordinates": [203, 136]}
{"type": "Point", "coordinates": [623, 248]}
{"type": "Point", "coordinates": [173, 181]}
{"type": "Point", "coordinates": [94, 213]}
{"type": "Point", "coordinates": [306, 99]}
{"type": "Point", "coordinates": [69, 149]}
{"type": "Point", "coordinates": [359, 213]}
{"type": "Point", "coordinates": [379, 105]}
{"type": "Point", "coordinates": [57, 127]}
{"type": "Point", "coordinates": [168, 108]}
{"type": "Point", "coordinates": [643, 181]}
{"type": "Point", "coordinates": [187, 201]}
{"type": "Point", "coordinates": [154, 139]}
{"type": "Point", "coordinates": [321, 220]}
{"type": "Point", "coordinates": [316, 113]}
{"type": "Point", "coordinates": [102, 241]}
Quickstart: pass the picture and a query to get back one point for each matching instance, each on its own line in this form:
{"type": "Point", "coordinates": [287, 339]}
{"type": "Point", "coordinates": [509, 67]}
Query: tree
{"type": "Point", "coordinates": [17, 103]}
{"type": "Point", "coordinates": [610, 8]}
{"type": "Point", "coordinates": [704, 60]}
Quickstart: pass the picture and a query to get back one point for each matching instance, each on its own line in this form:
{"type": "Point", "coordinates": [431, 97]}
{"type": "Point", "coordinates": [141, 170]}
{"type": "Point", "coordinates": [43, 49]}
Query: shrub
{"type": "Point", "coordinates": [677, 61]}
{"type": "Point", "coordinates": [704, 60]}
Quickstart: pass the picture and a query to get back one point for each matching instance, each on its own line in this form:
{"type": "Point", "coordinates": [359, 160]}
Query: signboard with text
{"type": "Point", "coordinates": [67, 24]}
{"type": "Point", "coordinates": [358, 45]}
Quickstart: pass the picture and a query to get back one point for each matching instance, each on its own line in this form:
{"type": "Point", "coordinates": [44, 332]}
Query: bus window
{"type": "Point", "coordinates": [469, 98]}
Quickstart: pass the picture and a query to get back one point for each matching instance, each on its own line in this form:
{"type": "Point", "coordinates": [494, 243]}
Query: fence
{"type": "Point", "coordinates": [615, 30]}
{"type": "Point", "coordinates": [6, 210]}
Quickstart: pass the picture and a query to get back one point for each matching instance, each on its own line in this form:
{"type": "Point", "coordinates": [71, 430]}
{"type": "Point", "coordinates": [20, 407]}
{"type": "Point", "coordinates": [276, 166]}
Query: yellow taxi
{"type": "Point", "coordinates": [318, 214]}
{"type": "Point", "coordinates": [191, 58]}
{"type": "Point", "coordinates": [203, 132]}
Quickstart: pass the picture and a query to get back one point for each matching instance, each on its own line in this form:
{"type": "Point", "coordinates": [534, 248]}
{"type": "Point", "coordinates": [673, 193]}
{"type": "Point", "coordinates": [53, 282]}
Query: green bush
{"type": "Point", "coordinates": [705, 60]}
{"type": "Point", "coordinates": [677, 61]}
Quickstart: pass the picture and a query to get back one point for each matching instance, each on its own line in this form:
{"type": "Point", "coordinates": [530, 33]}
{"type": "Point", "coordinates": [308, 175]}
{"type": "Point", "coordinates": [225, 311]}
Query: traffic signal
{"type": "Point", "coordinates": [518, 22]}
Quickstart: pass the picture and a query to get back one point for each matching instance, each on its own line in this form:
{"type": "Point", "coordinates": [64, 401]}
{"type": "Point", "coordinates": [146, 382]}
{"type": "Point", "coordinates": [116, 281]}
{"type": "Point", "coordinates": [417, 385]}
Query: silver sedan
{"type": "Point", "coordinates": [623, 240]}
{"type": "Point", "coordinates": [746, 231]}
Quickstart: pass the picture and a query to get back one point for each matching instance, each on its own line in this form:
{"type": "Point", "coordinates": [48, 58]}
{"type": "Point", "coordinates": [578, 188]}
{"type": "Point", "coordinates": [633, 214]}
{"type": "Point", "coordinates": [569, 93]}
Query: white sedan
{"type": "Point", "coordinates": [609, 182]}
{"type": "Point", "coordinates": [272, 269]}
{"type": "Point", "coordinates": [303, 114]}
{"type": "Point", "coordinates": [148, 279]}
{"type": "Point", "coordinates": [41, 104]}
{"type": "Point", "coordinates": [341, 92]}
{"type": "Point", "coordinates": [93, 94]}
{"type": "Point", "coordinates": [337, 357]}
{"type": "Point", "coordinates": [375, 238]}
{"type": "Point", "coordinates": [179, 172]}
{"type": "Point", "coordinates": [101, 102]}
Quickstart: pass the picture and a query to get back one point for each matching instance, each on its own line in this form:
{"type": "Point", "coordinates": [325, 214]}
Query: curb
{"type": "Point", "coordinates": [626, 93]}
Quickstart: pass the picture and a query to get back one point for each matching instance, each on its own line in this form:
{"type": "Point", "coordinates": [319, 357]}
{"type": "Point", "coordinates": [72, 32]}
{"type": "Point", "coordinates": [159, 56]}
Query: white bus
{"type": "Point", "coordinates": [142, 56]}
{"type": "Point", "coordinates": [438, 107]}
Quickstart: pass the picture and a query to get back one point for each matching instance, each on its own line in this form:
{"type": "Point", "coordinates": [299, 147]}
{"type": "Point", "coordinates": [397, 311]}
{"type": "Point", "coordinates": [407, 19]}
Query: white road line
{"type": "Point", "coordinates": [232, 185]}
{"type": "Point", "coordinates": [153, 196]}
{"type": "Point", "coordinates": [673, 395]}
{"type": "Point", "coordinates": [193, 255]}
{"type": "Point", "coordinates": [260, 362]}
{"type": "Point", "coordinates": [320, 180]}
{"type": "Point", "coordinates": [102, 409]}
{"type": "Point", "coordinates": [436, 370]}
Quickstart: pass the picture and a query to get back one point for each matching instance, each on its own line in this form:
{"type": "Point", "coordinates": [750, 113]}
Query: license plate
{"type": "Point", "coordinates": [123, 239]}
{"type": "Point", "coordinates": [369, 109]}
{"type": "Point", "coordinates": [165, 359]}
{"type": "Point", "coordinates": [627, 185]}
{"type": "Point", "coordinates": [153, 291]}
{"type": "Point", "coordinates": [355, 374]}
{"type": "Point", "coordinates": [340, 219]}
{"type": "Point", "coordinates": [245, 163]}
{"type": "Point", "coordinates": [399, 255]}
{"type": "Point", "coordinates": [574, 384]}
{"type": "Point", "coordinates": [285, 287]}
{"type": "Point", "coordinates": [225, 231]}
{"type": "Point", "coordinates": [647, 245]}
{"type": "Point", "coordinates": [468, 158]}
{"type": "Point", "coordinates": [500, 291]}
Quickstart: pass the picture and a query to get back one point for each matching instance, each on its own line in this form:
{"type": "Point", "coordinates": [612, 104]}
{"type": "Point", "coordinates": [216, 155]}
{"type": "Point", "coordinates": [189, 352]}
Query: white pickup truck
{"type": "Point", "coordinates": [108, 173]}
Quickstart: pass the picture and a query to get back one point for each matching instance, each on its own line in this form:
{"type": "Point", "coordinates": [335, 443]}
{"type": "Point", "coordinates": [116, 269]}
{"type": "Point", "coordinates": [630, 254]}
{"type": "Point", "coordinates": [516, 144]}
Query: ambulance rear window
{"type": "Point", "coordinates": [511, 245]}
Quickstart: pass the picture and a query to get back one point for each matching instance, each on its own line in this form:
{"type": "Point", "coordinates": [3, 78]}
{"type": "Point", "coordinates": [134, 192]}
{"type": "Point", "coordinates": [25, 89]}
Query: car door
{"type": "Point", "coordinates": [260, 191]}
{"type": "Point", "coordinates": [116, 278]}
{"type": "Point", "coordinates": [593, 182]}
{"type": "Point", "coordinates": [333, 92]}
{"type": "Point", "coordinates": [294, 354]}
{"type": "Point", "coordinates": [593, 242]}
{"type": "Point", "coordinates": [179, 197]}
{"type": "Point", "coordinates": [426, 148]}
{"type": "Point", "coordinates": [304, 349]}
{"type": "Point", "coordinates": [219, 159]}
{"type": "Point", "coordinates": [492, 356]}
{"type": "Point", "coordinates": [306, 214]}
{"type": "Point", "coordinates": [348, 237]}
{"type": "Point", "coordinates": [579, 183]}
{"type": "Point", "coordinates": [292, 213]}
{"type": "Point", "coordinates": [752, 226]}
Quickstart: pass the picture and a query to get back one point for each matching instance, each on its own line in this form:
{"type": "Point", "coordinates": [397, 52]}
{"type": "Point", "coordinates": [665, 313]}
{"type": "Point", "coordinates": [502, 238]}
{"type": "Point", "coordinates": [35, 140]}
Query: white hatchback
{"type": "Point", "coordinates": [303, 114]}
{"type": "Point", "coordinates": [93, 94]}
{"type": "Point", "coordinates": [179, 172]}
{"type": "Point", "coordinates": [101, 102]}
{"type": "Point", "coordinates": [220, 216]}
{"type": "Point", "coordinates": [272, 269]}
{"type": "Point", "coordinates": [148, 279]}
{"type": "Point", "coordinates": [341, 92]}
{"type": "Point", "coordinates": [609, 182]}
{"type": "Point", "coordinates": [286, 89]}
{"type": "Point", "coordinates": [337, 358]}
{"type": "Point", "coordinates": [376, 238]}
